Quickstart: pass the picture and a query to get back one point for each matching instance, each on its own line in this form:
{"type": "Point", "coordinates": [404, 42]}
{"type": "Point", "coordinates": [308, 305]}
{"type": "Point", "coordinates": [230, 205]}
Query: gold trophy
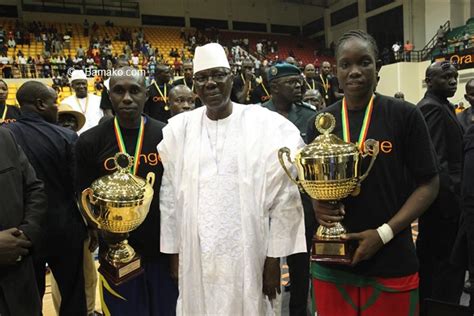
{"type": "Point", "coordinates": [329, 169]}
{"type": "Point", "coordinates": [118, 203]}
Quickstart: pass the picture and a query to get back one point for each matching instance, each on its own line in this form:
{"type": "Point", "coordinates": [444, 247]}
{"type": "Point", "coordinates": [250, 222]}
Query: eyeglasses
{"type": "Point", "coordinates": [217, 77]}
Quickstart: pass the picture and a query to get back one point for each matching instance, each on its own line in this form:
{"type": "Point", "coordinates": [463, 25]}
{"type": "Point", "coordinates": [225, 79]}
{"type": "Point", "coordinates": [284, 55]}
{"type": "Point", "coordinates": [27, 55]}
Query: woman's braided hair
{"type": "Point", "coordinates": [359, 34]}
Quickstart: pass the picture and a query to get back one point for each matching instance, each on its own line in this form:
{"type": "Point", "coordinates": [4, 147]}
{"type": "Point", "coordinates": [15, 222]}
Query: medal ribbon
{"type": "Point", "coordinates": [325, 83]}
{"type": "Point", "coordinates": [80, 106]}
{"type": "Point", "coordinates": [161, 93]}
{"type": "Point", "coordinates": [365, 124]}
{"type": "Point", "coordinates": [309, 86]}
{"type": "Point", "coordinates": [138, 146]}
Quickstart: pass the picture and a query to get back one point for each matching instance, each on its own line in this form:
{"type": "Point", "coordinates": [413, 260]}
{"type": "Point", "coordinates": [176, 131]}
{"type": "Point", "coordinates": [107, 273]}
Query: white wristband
{"type": "Point", "coordinates": [385, 233]}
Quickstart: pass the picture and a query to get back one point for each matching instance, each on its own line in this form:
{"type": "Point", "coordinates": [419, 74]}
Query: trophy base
{"type": "Point", "coordinates": [337, 251]}
{"type": "Point", "coordinates": [119, 273]}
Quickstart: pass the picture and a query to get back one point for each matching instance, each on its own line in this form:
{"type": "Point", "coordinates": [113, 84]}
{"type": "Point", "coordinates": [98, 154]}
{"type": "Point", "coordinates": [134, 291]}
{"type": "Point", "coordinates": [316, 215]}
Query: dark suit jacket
{"type": "Point", "coordinates": [23, 205]}
{"type": "Point", "coordinates": [447, 136]}
{"type": "Point", "coordinates": [465, 118]}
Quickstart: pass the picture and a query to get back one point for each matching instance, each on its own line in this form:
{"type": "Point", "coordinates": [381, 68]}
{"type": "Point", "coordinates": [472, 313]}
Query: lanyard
{"type": "Point", "coordinates": [325, 83]}
{"type": "Point", "coordinates": [4, 115]}
{"type": "Point", "coordinates": [307, 83]}
{"type": "Point", "coordinates": [161, 93]}
{"type": "Point", "coordinates": [265, 89]}
{"type": "Point", "coordinates": [138, 146]}
{"type": "Point", "coordinates": [365, 125]}
{"type": "Point", "coordinates": [250, 86]}
{"type": "Point", "coordinates": [80, 106]}
{"type": "Point", "coordinates": [192, 86]}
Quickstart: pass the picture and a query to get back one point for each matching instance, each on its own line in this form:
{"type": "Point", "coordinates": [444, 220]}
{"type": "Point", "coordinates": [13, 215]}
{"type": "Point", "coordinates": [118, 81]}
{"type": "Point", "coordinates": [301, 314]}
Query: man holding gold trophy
{"type": "Point", "coordinates": [364, 260]}
{"type": "Point", "coordinates": [113, 161]}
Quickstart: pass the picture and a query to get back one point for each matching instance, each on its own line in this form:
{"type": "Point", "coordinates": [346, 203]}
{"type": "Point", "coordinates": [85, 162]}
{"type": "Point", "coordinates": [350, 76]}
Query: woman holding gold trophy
{"type": "Point", "coordinates": [380, 276]}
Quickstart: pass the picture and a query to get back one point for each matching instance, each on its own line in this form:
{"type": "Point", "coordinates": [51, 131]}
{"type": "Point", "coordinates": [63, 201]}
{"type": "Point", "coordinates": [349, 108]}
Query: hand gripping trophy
{"type": "Point", "coordinates": [118, 203]}
{"type": "Point", "coordinates": [329, 169]}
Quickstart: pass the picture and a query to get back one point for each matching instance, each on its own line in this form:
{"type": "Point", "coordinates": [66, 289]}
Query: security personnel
{"type": "Point", "coordinates": [157, 104]}
{"type": "Point", "coordinates": [286, 84]}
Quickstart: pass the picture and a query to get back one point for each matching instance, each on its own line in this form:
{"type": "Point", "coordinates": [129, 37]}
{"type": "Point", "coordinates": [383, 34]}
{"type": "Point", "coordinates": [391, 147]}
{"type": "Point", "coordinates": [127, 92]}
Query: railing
{"type": "Point", "coordinates": [428, 49]}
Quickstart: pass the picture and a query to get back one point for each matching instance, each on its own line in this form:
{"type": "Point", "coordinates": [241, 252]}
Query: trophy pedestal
{"type": "Point", "coordinates": [337, 251]}
{"type": "Point", "coordinates": [119, 273]}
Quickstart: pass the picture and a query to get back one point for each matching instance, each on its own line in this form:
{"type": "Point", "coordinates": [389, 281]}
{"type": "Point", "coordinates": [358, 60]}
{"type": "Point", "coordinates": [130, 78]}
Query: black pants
{"type": "Point", "coordinates": [298, 265]}
{"type": "Point", "coordinates": [66, 264]}
{"type": "Point", "coordinates": [3, 305]}
{"type": "Point", "coordinates": [439, 278]}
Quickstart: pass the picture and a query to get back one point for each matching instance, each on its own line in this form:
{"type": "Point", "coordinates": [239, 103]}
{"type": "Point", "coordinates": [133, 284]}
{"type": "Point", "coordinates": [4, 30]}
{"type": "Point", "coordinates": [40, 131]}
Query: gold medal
{"type": "Point", "coordinates": [327, 96]}
{"type": "Point", "coordinates": [167, 108]}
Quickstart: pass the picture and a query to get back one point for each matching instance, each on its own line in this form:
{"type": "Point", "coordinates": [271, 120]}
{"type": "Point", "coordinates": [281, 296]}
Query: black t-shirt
{"type": "Point", "coordinates": [329, 95]}
{"type": "Point", "coordinates": [105, 103]}
{"type": "Point", "coordinates": [239, 86]}
{"type": "Point", "coordinates": [156, 106]}
{"type": "Point", "coordinates": [406, 156]}
{"type": "Point", "coordinates": [94, 152]}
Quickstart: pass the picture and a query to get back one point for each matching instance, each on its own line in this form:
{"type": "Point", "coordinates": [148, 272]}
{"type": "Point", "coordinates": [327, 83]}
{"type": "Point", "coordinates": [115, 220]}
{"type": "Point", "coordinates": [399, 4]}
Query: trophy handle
{"type": "Point", "coordinates": [87, 199]}
{"type": "Point", "coordinates": [371, 147]}
{"type": "Point", "coordinates": [150, 178]}
{"type": "Point", "coordinates": [281, 152]}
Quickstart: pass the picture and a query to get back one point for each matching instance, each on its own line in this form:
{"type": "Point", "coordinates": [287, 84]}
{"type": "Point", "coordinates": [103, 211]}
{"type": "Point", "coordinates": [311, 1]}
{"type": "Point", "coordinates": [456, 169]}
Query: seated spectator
{"type": "Point", "coordinates": [11, 43]}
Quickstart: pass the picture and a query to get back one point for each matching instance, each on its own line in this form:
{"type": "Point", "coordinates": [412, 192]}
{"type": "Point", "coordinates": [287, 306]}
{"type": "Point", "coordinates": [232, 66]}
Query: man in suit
{"type": "Point", "coordinates": [22, 212]}
{"type": "Point", "coordinates": [286, 85]}
{"type": "Point", "coordinates": [466, 117]}
{"type": "Point", "coordinates": [49, 149]}
{"type": "Point", "coordinates": [438, 226]}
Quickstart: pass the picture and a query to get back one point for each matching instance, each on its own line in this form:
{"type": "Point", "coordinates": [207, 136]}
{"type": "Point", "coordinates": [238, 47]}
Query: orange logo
{"type": "Point", "coordinates": [384, 146]}
{"type": "Point", "coordinates": [151, 159]}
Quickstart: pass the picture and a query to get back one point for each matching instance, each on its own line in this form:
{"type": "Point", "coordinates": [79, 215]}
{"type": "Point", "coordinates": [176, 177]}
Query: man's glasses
{"type": "Point", "coordinates": [217, 77]}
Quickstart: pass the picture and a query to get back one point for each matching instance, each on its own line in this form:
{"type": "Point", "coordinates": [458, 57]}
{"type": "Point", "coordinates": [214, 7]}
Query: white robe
{"type": "Point", "coordinates": [271, 213]}
{"type": "Point", "coordinates": [93, 113]}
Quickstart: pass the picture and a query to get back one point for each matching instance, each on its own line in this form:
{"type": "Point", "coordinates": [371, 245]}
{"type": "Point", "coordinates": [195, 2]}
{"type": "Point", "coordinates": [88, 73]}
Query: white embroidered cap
{"type": "Point", "coordinates": [78, 75]}
{"type": "Point", "coordinates": [209, 56]}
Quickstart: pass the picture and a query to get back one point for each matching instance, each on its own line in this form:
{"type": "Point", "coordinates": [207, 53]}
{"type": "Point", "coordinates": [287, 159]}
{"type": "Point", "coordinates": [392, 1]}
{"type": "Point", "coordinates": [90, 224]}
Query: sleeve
{"type": "Point", "coordinates": [35, 203]}
{"type": "Point", "coordinates": [85, 170]}
{"type": "Point", "coordinates": [105, 103]}
{"type": "Point", "coordinates": [149, 101]}
{"type": "Point", "coordinates": [236, 90]}
{"type": "Point", "coordinates": [468, 184]}
{"type": "Point", "coordinates": [169, 235]}
{"type": "Point", "coordinates": [311, 132]}
{"type": "Point", "coordinates": [287, 232]}
{"type": "Point", "coordinates": [418, 146]}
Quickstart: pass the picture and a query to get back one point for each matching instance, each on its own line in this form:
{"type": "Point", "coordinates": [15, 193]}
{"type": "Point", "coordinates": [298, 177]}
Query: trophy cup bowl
{"type": "Point", "coordinates": [329, 169]}
{"type": "Point", "coordinates": [117, 204]}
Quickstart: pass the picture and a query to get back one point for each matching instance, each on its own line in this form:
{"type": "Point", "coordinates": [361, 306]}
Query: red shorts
{"type": "Point", "coordinates": [378, 297]}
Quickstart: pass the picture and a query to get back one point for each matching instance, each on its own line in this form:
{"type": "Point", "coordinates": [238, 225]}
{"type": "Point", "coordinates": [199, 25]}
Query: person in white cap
{"type": "Point", "coordinates": [86, 103]}
{"type": "Point", "coordinates": [222, 186]}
